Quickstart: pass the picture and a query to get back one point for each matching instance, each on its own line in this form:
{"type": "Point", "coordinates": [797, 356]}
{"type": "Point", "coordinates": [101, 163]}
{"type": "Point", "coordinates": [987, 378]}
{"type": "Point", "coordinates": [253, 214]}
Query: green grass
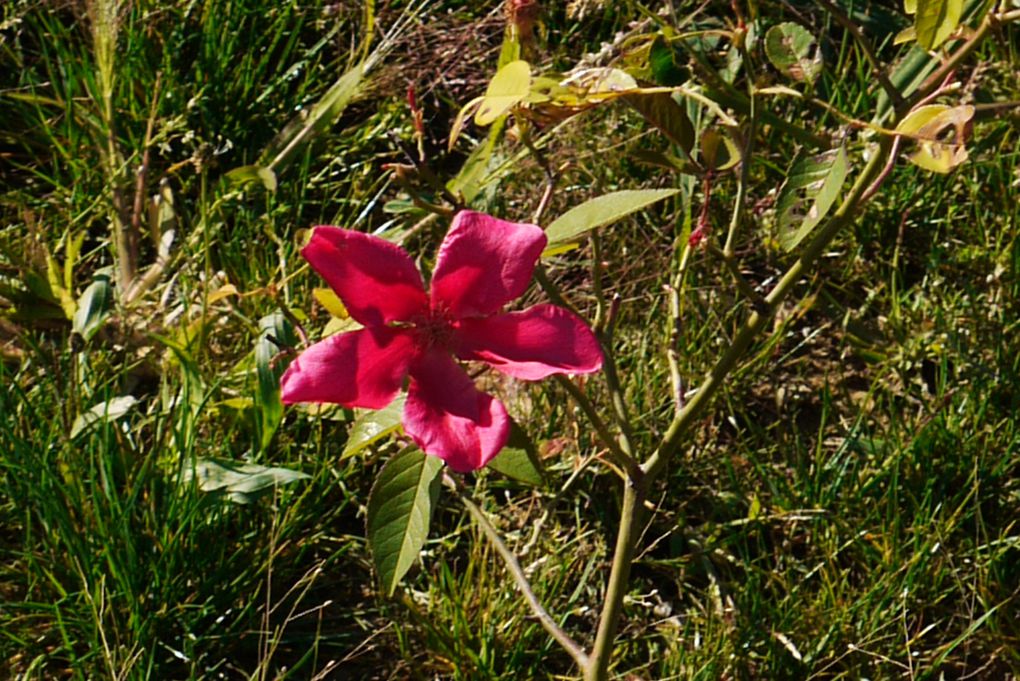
{"type": "Point", "coordinates": [847, 509]}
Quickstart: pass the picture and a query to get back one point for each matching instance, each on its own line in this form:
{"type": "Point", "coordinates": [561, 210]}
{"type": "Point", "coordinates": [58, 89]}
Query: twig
{"type": "Point", "coordinates": [889, 165]}
{"type": "Point", "coordinates": [551, 289]}
{"type": "Point", "coordinates": [605, 331]}
{"type": "Point", "coordinates": [672, 356]}
{"type": "Point", "coordinates": [743, 285]}
{"type": "Point", "coordinates": [634, 493]}
{"type": "Point", "coordinates": [933, 81]}
{"type": "Point", "coordinates": [545, 619]}
{"type": "Point", "coordinates": [550, 176]}
{"type": "Point", "coordinates": [616, 452]}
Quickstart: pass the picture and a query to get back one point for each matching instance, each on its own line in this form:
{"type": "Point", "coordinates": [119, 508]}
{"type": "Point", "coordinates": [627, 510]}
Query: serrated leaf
{"type": "Point", "coordinates": [400, 508]}
{"type": "Point", "coordinates": [508, 87]}
{"type": "Point", "coordinates": [666, 114]}
{"type": "Point", "coordinates": [94, 307]}
{"type": "Point", "coordinates": [936, 20]}
{"type": "Point", "coordinates": [372, 426]}
{"type": "Point", "coordinates": [812, 187]}
{"type": "Point", "coordinates": [793, 51]}
{"type": "Point", "coordinates": [111, 410]}
{"type": "Point", "coordinates": [928, 125]}
{"type": "Point", "coordinates": [238, 480]}
{"type": "Point", "coordinates": [603, 210]}
{"type": "Point", "coordinates": [519, 460]}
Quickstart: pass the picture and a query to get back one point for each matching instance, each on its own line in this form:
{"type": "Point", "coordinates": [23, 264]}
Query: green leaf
{"type": "Point", "coordinates": [372, 426]}
{"type": "Point", "coordinates": [928, 126]}
{"type": "Point", "coordinates": [94, 306]}
{"type": "Point", "coordinates": [241, 482]}
{"type": "Point", "coordinates": [718, 150]}
{"type": "Point", "coordinates": [468, 182]}
{"type": "Point", "coordinates": [793, 51]}
{"type": "Point", "coordinates": [331, 301]}
{"type": "Point", "coordinates": [662, 62]}
{"type": "Point", "coordinates": [603, 210]}
{"type": "Point", "coordinates": [665, 113]}
{"type": "Point", "coordinates": [400, 508]}
{"type": "Point", "coordinates": [508, 87]}
{"type": "Point", "coordinates": [275, 333]}
{"type": "Point", "coordinates": [812, 187]}
{"type": "Point", "coordinates": [936, 20]}
{"type": "Point", "coordinates": [311, 123]}
{"type": "Point", "coordinates": [518, 460]}
{"type": "Point", "coordinates": [251, 174]}
{"type": "Point", "coordinates": [111, 410]}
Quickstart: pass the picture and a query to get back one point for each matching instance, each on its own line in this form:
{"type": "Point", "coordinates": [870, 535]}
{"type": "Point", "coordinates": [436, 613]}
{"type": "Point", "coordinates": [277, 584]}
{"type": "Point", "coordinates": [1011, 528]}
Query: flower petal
{"type": "Point", "coordinates": [376, 280]}
{"type": "Point", "coordinates": [447, 417]}
{"type": "Point", "coordinates": [484, 263]}
{"type": "Point", "coordinates": [531, 344]}
{"type": "Point", "coordinates": [362, 368]}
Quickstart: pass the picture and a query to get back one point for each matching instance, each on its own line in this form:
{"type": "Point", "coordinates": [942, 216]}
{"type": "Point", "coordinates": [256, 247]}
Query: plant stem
{"type": "Point", "coordinates": [635, 488]}
{"type": "Point", "coordinates": [616, 453]}
{"type": "Point", "coordinates": [953, 61]}
{"type": "Point", "coordinates": [619, 577]}
{"type": "Point", "coordinates": [756, 320]}
{"type": "Point", "coordinates": [543, 616]}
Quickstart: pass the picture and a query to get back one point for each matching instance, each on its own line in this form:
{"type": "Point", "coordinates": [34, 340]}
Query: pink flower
{"type": "Point", "coordinates": [483, 264]}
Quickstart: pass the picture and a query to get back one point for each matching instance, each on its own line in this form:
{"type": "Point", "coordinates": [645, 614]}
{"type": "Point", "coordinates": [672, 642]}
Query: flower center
{"type": "Point", "coordinates": [434, 330]}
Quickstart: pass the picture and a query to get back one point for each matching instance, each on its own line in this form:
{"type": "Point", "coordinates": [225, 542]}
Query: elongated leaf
{"type": "Point", "coordinates": [662, 111]}
{"type": "Point", "coordinates": [603, 210]}
{"type": "Point", "coordinates": [94, 306]}
{"type": "Point", "coordinates": [275, 333]}
{"type": "Point", "coordinates": [331, 301]}
{"type": "Point", "coordinates": [508, 87]}
{"type": "Point", "coordinates": [928, 126]}
{"type": "Point", "coordinates": [111, 410]}
{"type": "Point", "coordinates": [936, 20]}
{"type": "Point", "coordinates": [906, 76]}
{"type": "Point", "coordinates": [793, 51]}
{"type": "Point", "coordinates": [374, 425]}
{"type": "Point", "coordinates": [518, 460]}
{"type": "Point", "coordinates": [310, 123]}
{"type": "Point", "coordinates": [812, 187]}
{"type": "Point", "coordinates": [251, 174]}
{"type": "Point", "coordinates": [515, 463]}
{"type": "Point", "coordinates": [468, 182]}
{"type": "Point", "coordinates": [240, 481]}
{"type": "Point", "coordinates": [400, 508]}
